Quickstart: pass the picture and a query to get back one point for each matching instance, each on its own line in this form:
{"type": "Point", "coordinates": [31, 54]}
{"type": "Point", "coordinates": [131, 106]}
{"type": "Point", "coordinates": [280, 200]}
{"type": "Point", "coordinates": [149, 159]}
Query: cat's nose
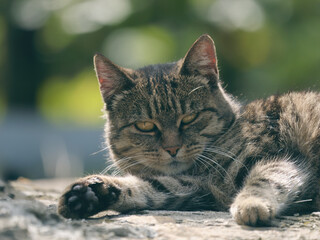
{"type": "Point", "coordinates": [173, 151]}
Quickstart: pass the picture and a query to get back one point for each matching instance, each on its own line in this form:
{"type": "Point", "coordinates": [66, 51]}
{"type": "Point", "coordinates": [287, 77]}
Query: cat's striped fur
{"type": "Point", "coordinates": [260, 160]}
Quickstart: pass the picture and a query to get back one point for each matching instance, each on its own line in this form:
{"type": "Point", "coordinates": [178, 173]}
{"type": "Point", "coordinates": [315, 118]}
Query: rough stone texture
{"type": "Point", "coordinates": [28, 211]}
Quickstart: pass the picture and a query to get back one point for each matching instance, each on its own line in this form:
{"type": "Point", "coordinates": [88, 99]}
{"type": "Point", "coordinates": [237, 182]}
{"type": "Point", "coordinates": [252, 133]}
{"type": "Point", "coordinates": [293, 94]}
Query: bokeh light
{"type": "Point", "coordinates": [236, 14]}
{"type": "Point", "coordinates": [132, 47]}
{"type": "Point", "coordinates": [29, 14]}
{"type": "Point", "coordinates": [89, 16]}
{"type": "Point", "coordinates": [75, 101]}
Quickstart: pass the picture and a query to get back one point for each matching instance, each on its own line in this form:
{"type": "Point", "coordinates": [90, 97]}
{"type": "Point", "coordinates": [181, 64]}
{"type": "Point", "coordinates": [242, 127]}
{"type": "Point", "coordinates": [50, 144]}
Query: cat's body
{"type": "Point", "coordinates": [185, 144]}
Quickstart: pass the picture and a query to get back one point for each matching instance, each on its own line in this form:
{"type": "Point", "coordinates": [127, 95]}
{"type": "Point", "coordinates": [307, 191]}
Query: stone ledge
{"type": "Point", "coordinates": [28, 211]}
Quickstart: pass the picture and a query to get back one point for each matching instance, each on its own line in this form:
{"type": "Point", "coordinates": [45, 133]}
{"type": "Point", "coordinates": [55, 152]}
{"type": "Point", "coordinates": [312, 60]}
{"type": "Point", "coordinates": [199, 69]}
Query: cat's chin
{"type": "Point", "coordinates": [174, 167]}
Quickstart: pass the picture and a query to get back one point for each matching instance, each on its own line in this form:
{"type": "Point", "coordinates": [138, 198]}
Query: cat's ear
{"type": "Point", "coordinates": [201, 58]}
{"type": "Point", "coordinates": [112, 78]}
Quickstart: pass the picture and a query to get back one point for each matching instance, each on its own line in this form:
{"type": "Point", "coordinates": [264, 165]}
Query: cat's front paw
{"type": "Point", "coordinates": [87, 197]}
{"type": "Point", "coordinates": [252, 211]}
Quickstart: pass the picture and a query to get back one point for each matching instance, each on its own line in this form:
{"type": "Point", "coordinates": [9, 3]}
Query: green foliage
{"type": "Point", "coordinates": [75, 101]}
{"type": "Point", "coordinates": [264, 47]}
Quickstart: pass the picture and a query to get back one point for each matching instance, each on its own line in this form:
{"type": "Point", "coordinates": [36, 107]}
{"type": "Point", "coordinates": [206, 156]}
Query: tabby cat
{"type": "Point", "coordinates": [183, 143]}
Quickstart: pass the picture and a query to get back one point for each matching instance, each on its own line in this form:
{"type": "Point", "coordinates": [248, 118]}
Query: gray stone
{"type": "Point", "coordinates": [32, 215]}
{"type": "Point", "coordinates": [2, 186]}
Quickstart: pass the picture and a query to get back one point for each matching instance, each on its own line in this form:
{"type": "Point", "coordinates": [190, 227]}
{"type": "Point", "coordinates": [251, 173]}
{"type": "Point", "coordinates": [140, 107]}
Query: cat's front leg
{"type": "Point", "coordinates": [96, 193]}
{"type": "Point", "coordinates": [90, 195]}
{"type": "Point", "coordinates": [270, 190]}
{"type": "Point", "coordinates": [252, 210]}
{"type": "Point", "coordinates": [87, 196]}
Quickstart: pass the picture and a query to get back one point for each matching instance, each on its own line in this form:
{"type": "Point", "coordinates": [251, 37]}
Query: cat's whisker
{"type": "Point", "coordinates": [204, 195]}
{"type": "Point", "coordinates": [116, 173]}
{"type": "Point", "coordinates": [204, 163]}
{"type": "Point", "coordinates": [137, 160]}
{"type": "Point", "coordinates": [129, 166]}
{"type": "Point", "coordinates": [221, 151]}
{"type": "Point", "coordinates": [196, 164]}
{"type": "Point", "coordinates": [114, 165]}
{"type": "Point", "coordinates": [222, 168]}
{"type": "Point", "coordinates": [106, 169]}
{"type": "Point", "coordinates": [121, 166]}
{"type": "Point", "coordinates": [214, 150]}
{"type": "Point", "coordinates": [195, 89]}
{"type": "Point", "coordinates": [99, 151]}
{"type": "Point", "coordinates": [208, 161]}
{"type": "Point", "coordinates": [225, 151]}
{"type": "Point", "coordinates": [145, 168]}
{"type": "Point", "coordinates": [303, 201]}
{"type": "Point", "coordinates": [111, 168]}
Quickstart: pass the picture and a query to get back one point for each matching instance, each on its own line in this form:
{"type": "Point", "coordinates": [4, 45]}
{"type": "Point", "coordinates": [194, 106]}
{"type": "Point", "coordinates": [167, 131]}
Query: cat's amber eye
{"type": "Point", "coordinates": [145, 126]}
{"type": "Point", "coordinates": [189, 118]}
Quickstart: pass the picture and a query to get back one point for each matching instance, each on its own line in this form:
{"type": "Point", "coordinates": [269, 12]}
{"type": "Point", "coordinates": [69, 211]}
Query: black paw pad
{"type": "Point", "coordinates": [82, 201]}
{"type": "Point", "coordinates": [114, 193]}
{"type": "Point", "coordinates": [79, 188]}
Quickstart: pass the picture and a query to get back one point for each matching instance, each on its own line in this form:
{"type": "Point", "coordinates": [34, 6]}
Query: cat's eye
{"type": "Point", "coordinates": [189, 118]}
{"type": "Point", "coordinates": [145, 126]}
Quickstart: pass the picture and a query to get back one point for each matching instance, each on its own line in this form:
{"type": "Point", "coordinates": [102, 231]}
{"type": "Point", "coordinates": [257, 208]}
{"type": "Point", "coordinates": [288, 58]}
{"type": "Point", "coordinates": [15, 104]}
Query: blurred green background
{"type": "Point", "coordinates": [50, 105]}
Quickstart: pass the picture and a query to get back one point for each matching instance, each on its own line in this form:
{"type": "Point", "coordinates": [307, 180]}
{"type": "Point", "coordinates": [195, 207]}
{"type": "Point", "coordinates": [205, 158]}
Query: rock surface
{"type": "Point", "coordinates": [28, 211]}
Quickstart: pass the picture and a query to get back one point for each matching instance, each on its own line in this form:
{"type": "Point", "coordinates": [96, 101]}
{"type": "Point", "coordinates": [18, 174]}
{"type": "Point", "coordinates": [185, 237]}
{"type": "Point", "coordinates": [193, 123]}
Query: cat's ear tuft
{"type": "Point", "coordinates": [112, 78]}
{"type": "Point", "coordinates": [201, 58]}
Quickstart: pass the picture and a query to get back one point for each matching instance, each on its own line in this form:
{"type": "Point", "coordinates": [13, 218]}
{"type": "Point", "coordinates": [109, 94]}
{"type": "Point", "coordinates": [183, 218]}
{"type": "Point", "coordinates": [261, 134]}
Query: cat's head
{"type": "Point", "coordinates": [161, 117]}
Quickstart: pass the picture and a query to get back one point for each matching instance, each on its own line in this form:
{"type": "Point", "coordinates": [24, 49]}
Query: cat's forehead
{"type": "Point", "coordinates": [159, 70]}
{"type": "Point", "coordinates": [161, 93]}
{"type": "Point", "coordinates": [165, 79]}
{"type": "Point", "coordinates": [171, 95]}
